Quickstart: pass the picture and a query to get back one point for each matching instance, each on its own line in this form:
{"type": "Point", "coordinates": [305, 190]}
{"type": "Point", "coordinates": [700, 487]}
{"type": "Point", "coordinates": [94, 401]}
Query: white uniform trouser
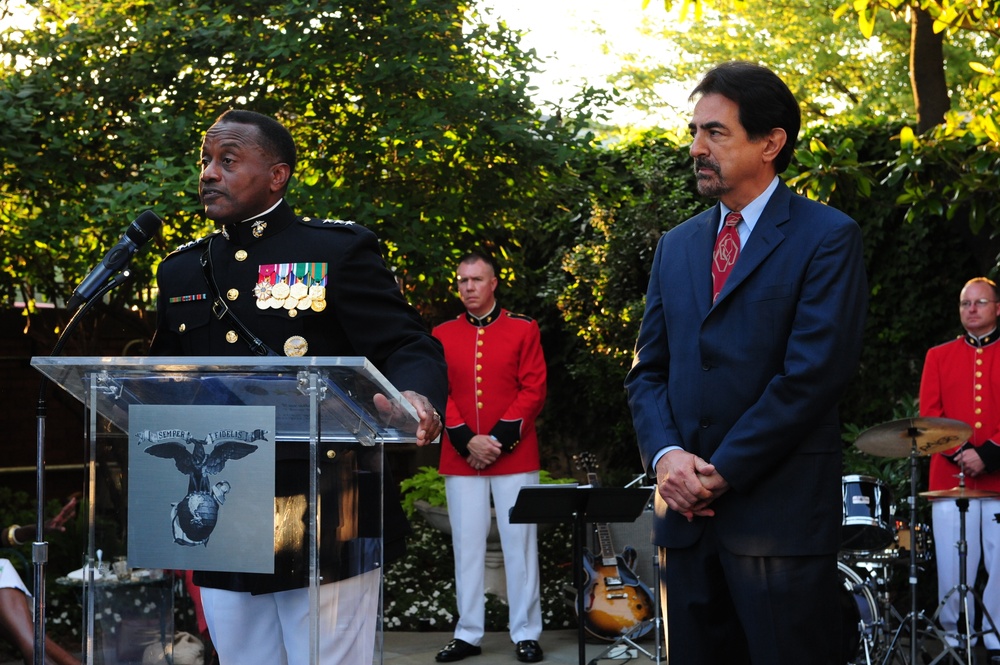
{"type": "Point", "coordinates": [469, 514]}
{"type": "Point", "coordinates": [982, 532]}
{"type": "Point", "coordinates": [273, 628]}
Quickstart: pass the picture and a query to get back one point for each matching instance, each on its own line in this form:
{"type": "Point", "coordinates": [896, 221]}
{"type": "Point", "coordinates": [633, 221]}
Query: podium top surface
{"type": "Point", "coordinates": [341, 388]}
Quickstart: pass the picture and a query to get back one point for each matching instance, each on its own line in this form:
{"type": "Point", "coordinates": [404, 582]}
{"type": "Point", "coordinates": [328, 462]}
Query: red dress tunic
{"type": "Point", "coordinates": [961, 381]}
{"type": "Point", "coordinates": [496, 386]}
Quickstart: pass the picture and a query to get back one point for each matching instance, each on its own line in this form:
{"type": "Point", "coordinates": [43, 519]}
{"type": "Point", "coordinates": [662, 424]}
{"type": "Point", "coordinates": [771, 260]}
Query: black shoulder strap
{"type": "Point", "coordinates": [222, 311]}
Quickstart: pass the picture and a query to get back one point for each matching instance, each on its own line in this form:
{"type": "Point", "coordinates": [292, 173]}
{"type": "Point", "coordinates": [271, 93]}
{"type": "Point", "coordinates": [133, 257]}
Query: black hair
{"type": "Point", "coordinates": [765, 102]}
{"type": "Point", "coordinates": [275, 138]}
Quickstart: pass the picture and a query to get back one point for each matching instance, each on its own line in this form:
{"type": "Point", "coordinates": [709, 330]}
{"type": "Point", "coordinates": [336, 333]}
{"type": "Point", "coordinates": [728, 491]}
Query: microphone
{"type": "Point", "coordinates": [136, 235]}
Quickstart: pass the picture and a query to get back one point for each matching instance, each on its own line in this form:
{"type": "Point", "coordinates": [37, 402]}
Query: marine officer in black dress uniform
{"type": "Point", "coordinates": [296, 286]}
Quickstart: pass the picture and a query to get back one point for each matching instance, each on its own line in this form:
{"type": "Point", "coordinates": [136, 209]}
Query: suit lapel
{"type": "Point", "coordinates": [699, 260]}
{"type": "Point", "coordinates": [765, 239]}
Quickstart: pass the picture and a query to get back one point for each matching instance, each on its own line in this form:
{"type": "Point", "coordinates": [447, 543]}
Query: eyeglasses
{"type": "Point", "coordinates": [982, 302]}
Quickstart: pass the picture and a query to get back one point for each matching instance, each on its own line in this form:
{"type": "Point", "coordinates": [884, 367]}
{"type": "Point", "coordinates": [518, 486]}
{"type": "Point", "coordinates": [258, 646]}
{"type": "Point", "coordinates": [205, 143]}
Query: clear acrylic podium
{"type": "Point", "coordinates": [181, 455]}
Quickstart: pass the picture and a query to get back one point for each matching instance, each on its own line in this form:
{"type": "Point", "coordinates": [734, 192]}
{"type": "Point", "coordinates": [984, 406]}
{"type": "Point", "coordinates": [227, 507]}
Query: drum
{"type": "Point", "coordinates": [868, 523]}
{"type": "Point", "coordinates": [861, 617]}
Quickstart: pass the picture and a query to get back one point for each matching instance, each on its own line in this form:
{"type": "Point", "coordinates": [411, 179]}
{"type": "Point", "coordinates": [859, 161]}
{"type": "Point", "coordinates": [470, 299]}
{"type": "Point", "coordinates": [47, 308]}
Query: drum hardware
{"type": "Point", "coordinates": [898, 551]}
{"type": "Point", "coordinates": [959, 493]}
{"type": "Point", "coordinates": [962, 496]}
{"type": "Point", "coordinates": [920, 436]}
{"type": "Point", "coordinates": [875, 616]}
{"type": "Point", "coordinates": [913, 437]}
{"type": "Point", "coordinates": [867, 514]}
{"type": "Point", "coordinates": [860, 609]}
{"type": "Point", "coordinates": [924, 543]}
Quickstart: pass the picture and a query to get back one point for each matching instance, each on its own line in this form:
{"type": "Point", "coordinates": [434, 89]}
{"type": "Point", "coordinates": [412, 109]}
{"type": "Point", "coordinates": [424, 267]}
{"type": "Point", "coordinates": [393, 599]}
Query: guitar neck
{"type": "Point", "coordinates": [608, 556]}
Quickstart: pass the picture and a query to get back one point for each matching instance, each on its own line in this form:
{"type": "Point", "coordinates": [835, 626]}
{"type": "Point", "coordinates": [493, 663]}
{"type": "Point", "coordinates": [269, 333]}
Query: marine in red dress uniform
{"type": "Point", "coordinates": [961, 381]}
{"type": "Point", "coordinates": [496, 374]}
{"type": "Point", "coordinates": [496, 390]}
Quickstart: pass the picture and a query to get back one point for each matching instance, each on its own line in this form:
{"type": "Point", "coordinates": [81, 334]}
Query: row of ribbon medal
{"type": "Point", "coordinates": [291, 286]}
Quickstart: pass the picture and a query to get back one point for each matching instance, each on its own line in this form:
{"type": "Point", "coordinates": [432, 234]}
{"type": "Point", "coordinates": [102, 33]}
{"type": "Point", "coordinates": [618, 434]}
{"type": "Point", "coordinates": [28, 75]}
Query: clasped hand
{"type": "Point", "coordinates": [483, 451]}
{"type": "Point", "coordinates": [689, 484]}
{"type": "Point", "coordinates": [970, 462]}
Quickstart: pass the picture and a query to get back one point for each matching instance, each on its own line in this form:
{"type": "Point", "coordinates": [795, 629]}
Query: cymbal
{"type": "Point", "coordinates": [925, 436]}
{"type": "Point", "coordinates": [959, 493]}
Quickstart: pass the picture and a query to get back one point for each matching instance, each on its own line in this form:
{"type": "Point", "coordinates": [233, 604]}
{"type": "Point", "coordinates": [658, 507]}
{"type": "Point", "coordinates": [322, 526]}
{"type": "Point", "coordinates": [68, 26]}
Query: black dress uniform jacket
{"type": "Point", "coordinates": [363, 314]}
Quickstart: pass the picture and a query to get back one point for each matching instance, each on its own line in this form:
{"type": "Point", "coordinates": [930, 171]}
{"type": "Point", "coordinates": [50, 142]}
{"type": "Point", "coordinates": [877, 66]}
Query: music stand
{"type": "Point", "coordinates": [579, 504]}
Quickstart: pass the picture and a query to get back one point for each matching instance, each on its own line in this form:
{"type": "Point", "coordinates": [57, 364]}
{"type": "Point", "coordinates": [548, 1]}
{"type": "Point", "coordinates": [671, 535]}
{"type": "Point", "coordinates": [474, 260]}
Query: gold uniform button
{"type": "Point", "coordinates": [241, 255]}
{"type": "Point", "coordinates": [979, 351]}
{"type": "Point", "coordinates": [182, 327]}
{"type": "Point", "coordinates": [293, 313]}
{"type": "Point", "coordinates": [481, 331]}
{"type": "Point", "coordinates": [479, 342]}
{"type": "Point", "coordinates": [232, 337]}
{"type": "Point", "coordinates": [479, 393]}
{"type": "Point", "coordinates": [479, 368]}
{"type": "Point", "coordinates": [479, 379]}
{"type": "Point", "coordinates": [979, 374]}
{"type": "Point", "coordinates": [978, 411]}
{"type": "Point", "coordinates": [479, 405]}
{"type": "Point", "coordinates": [479, 354]}
{"type": "Point", "coordinates": [331, 454]}
{"type": "Point", "coordinates": [232, 294]}
{"type": "Point", "coordinates": [979, 361]}
{"type": "Point", "coordinates": [979, 425]}
{"type": "Point", "coordinates": [979, 386]}
{"type": "Point", "coordinates": [979, 398]}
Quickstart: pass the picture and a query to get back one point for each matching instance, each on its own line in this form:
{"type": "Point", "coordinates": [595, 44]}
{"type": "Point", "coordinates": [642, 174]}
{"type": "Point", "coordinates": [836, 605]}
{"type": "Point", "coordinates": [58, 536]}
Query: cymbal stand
{"type": "Point", "coordinates": [618, 649]}
{"type": "Point", "coordinates": [963, 589]}
{"type": "Point", "coordinates": [915, 616]}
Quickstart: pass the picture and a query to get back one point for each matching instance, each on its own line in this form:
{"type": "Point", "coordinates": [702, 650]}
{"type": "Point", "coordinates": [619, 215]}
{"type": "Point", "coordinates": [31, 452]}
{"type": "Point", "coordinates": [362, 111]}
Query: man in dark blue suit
{"type": "Point", "coordinates": [734, 393]}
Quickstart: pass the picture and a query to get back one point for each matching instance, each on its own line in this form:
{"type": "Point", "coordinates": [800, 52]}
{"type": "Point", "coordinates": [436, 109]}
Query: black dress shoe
{"type": "Point", "coordinates": [528, 651]}
{"type": "Point", "coordinates": [457, 650]}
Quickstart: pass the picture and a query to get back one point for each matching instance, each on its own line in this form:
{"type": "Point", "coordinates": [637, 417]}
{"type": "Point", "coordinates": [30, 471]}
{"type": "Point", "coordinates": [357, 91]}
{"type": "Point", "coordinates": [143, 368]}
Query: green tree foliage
{"type": "Point", "coordinates": [411, 117]}
{"type": "Point", "coordinates": [838, 74]}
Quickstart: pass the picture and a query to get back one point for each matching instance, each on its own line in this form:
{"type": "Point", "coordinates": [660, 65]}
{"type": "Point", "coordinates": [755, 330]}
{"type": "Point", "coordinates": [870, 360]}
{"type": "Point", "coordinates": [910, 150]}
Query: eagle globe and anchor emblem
{"type": "Point", "coordinates": [194, 518]}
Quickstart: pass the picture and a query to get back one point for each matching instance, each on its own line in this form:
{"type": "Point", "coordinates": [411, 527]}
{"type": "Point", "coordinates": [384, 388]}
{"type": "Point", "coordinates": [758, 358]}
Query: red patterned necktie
{"type": "Point", "coordinates": [727, 250]}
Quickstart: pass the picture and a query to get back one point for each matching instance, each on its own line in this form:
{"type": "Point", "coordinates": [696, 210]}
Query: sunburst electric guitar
{"type": "Point", "coordinates": [615, 600]}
